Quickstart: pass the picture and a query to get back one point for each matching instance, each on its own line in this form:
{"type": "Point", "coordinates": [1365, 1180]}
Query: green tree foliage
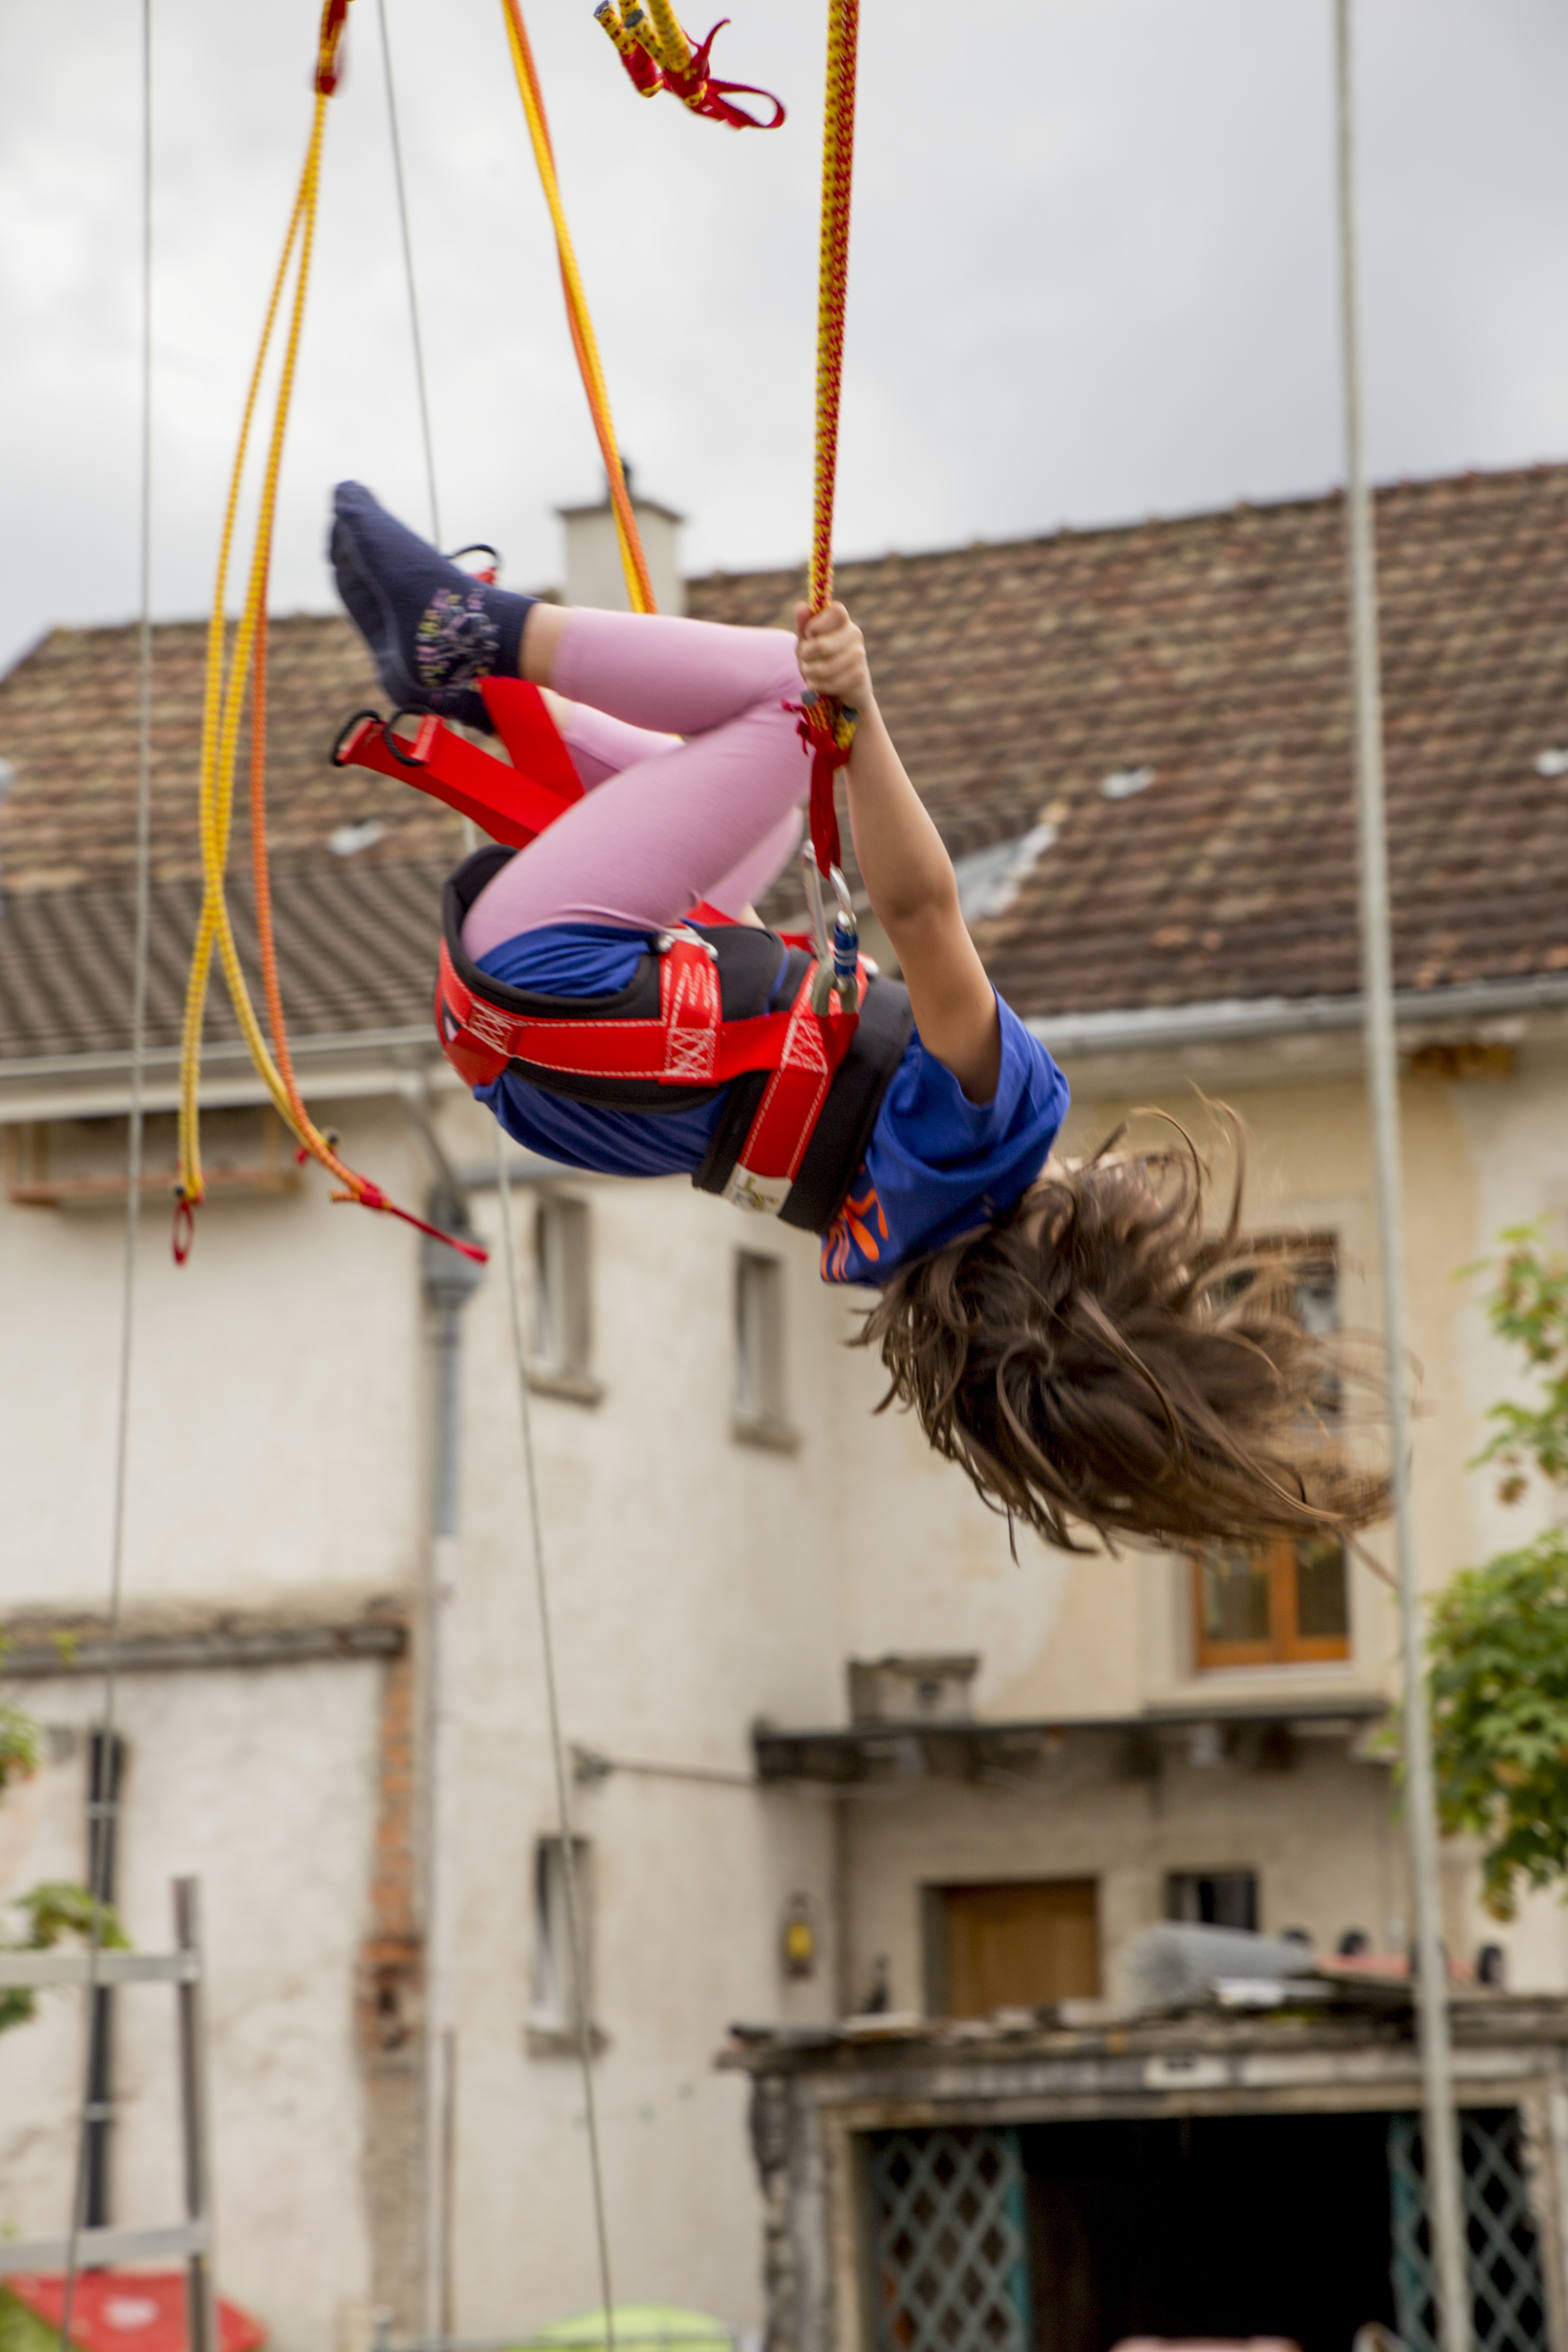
{"type": "Point", "coordinates": [1498, 1637]}
{"type": "Point", "coordinates": [58, 1908]}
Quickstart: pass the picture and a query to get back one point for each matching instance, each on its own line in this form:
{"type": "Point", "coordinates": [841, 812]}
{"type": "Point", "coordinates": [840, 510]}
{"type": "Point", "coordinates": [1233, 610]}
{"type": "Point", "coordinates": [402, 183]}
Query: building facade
{"type": "Point", "coordinates": [835, 1748]}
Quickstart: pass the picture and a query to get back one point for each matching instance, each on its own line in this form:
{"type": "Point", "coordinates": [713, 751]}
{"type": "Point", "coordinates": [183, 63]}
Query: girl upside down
{"type": "Point", "coordinates": [1066, 1331]}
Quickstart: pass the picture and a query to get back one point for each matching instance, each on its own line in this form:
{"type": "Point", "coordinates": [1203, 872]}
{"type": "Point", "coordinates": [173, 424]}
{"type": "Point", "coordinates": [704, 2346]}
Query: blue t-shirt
{"type": "Point", "coordinates": [936, 1165]}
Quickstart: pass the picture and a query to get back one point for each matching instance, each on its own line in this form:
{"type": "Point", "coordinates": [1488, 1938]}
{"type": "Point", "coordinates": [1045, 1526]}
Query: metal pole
{"type": "Point", "coordinates": [200, 2291]}
{"type": "Point", "coordinates": [449, 1282]}
{"type": "Point", "coordinates": [1441, 2138]}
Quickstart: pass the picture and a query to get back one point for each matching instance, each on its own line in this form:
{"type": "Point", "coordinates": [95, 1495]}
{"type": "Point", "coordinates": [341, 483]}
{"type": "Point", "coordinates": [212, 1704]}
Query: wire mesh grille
{"type": "Point", "coordinates": [1507, 2293]}
{"type": "Point", "coordinates": [951, 2248]}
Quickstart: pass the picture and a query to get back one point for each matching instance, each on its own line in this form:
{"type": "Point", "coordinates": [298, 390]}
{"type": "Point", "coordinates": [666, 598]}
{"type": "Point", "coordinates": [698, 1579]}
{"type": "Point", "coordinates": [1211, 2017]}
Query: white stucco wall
{"type": "Point", "coordinates": [277, 1433]}
{"type": "Point", "coordinates": [262, 1783]}
{"type": "Point", "coordinates": [282, 1444]}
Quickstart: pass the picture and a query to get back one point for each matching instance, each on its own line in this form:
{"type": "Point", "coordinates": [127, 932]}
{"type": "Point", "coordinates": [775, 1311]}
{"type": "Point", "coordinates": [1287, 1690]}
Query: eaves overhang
{"type": "Point", "coordinates": [1235, 1020]}
{"type": "Point", "coordinates": [968, 1748]}
{"type": "Point", "coordinates": [344, 1064]}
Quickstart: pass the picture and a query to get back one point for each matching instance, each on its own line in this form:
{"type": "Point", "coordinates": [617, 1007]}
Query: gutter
{"type": "Point", "coordinates": [345, 1063]}
{"type": "Point", "coordinates": [1231, 1020]}
{"type": "Point", "coordinates": [379, 1061]}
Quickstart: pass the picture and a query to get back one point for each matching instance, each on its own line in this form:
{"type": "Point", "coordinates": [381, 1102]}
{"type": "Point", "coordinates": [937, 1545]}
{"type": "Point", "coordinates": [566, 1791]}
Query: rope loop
{"type": "Point", "coordinates": [658, 55]}
{"type": "Point", "coordinates": [334, 16]}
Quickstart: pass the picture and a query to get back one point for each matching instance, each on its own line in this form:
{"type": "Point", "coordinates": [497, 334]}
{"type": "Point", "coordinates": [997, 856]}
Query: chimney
{"type": "Point", "coordinates": [594, 574]}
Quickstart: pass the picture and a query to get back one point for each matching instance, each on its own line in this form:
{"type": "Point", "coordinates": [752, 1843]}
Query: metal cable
{"type": "Point", "coordinates": [104, 1788]}
{"type": "Point", "coordinates": [541, 1589]}
{"type": "Point", "coordinates": [1443, 2175]}
{"type": "Point", "coordinates": [557, 1751]}
{"type": "Point", "coordinates": [408, 272]}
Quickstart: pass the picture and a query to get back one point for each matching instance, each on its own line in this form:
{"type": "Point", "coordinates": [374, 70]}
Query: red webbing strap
{"type": "Point", "coordinates": [513, 803]}
{"type": "Point", "coordinates": [828, 733]}
{"type": "Point", "coordinates": [688, 1043]}
{"type": "Point", "coordinates": [786, 1119]}
{"type": "Point", "coordinates": [654, 64]}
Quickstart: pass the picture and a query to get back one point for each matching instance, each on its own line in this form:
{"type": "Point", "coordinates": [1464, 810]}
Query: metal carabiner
{"type": "Point", "coordinates": [838, 951]}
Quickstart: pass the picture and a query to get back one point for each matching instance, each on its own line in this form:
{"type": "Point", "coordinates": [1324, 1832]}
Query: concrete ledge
{"type": "Point", "coordinates": [36, 1645]}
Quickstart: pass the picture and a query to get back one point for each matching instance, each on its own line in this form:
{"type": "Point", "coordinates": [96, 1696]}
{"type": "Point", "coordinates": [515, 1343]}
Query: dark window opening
{"type": "Point", "coordinates": [1214, 1899]}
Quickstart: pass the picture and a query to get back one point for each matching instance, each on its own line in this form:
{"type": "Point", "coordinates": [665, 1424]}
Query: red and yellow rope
{"type": "Point", "coordinates": [831, 728]}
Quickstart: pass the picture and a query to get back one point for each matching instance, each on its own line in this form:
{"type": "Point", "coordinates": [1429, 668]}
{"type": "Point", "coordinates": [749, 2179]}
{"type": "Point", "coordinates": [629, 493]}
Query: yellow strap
{"type": "Point", "coordinates": [633, 561]}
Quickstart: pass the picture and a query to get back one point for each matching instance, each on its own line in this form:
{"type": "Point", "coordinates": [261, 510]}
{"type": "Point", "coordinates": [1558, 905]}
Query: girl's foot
{"type": "Point", "coordinates": [434, 631]}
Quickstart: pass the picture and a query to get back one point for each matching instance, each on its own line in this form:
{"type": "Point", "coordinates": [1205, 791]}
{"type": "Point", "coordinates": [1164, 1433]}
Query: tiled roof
{"type": "Point", "coordinates": [1017, 679]}
{"type": "Point", "coordinates": [356, 952]}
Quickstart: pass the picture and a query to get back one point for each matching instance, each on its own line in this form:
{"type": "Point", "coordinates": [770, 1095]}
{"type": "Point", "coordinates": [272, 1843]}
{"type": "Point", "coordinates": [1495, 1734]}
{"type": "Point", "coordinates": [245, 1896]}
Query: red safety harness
{"type": "Point", "coordinates": [708, 1008]}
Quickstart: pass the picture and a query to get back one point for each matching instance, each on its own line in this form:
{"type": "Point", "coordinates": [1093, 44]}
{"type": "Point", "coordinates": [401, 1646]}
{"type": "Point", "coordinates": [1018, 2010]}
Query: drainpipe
{"type": "Point", "coordinates": [450, 1281]}
{"type": "Point", "coordinates": [106, 1764]}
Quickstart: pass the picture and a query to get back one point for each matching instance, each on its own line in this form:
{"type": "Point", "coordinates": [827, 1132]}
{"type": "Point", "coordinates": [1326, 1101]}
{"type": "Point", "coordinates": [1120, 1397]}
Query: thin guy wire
{"type": "Point", "coordinates": [438, 2089]}
{"type": "Point", "coordinates": [568, 1865]}
{"type": "Point", "coordinates": [103, 1785]}
{"type": "Point", "coordinates": [557, 1751]}
{"type": "Point", "coordinates": [408, 269]}
{"type": "Point", "coordinates": [1443, 2172]}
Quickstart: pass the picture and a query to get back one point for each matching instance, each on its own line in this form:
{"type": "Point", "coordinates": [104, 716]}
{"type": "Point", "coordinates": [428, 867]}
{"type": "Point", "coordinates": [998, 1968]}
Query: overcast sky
{"type": "Point", "coordinates": [1092, 273]}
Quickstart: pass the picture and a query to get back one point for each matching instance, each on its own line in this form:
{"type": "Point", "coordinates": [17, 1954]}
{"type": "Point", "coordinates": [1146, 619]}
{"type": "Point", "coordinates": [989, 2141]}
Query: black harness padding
{"type": "Point", "coordinates": [843, 1125]}
{"type": "Point", "coordinates": [758, 973]}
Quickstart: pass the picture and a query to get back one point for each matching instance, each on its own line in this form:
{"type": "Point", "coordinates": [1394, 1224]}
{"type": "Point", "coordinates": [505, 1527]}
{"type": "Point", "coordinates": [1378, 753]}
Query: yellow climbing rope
{"type": "Point", "coordinates": [224, 700]}
{"type": "Point", "coordinates": [584, 342]}
{"type": "Point", "coordinates": [222, 709]}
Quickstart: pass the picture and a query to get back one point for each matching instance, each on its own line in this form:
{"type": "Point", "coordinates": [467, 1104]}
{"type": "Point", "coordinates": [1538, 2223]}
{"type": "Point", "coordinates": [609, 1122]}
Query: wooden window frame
{"type": "Point", "coordinates": [1285, 1645]}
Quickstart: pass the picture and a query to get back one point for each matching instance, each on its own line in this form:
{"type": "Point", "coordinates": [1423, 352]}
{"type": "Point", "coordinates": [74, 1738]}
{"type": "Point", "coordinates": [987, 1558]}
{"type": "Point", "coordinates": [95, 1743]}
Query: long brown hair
{"type": "Point", "coordinates": [1095, 1359]}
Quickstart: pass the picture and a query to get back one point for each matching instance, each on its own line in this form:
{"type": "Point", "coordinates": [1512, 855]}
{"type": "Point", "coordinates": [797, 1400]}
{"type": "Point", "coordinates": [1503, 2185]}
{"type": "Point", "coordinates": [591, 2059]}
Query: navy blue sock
{"type": "Point", "coordinates": [434, 630]}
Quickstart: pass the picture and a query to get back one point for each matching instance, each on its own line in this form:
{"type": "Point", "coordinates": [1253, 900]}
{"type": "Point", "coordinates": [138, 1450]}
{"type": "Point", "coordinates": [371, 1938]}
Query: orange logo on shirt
{"type": "Point", "coordinates": [852, 1225]}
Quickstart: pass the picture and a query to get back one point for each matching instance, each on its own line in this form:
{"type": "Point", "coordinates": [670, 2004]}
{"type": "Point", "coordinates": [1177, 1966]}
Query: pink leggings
{"type": "Point", "coordinates": [662, 824]}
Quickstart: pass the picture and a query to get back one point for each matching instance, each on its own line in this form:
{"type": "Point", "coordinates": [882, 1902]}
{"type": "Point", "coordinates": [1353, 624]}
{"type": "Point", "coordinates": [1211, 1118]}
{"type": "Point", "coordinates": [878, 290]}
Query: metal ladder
{"type": "Point", "coordinates": [192, 2239]}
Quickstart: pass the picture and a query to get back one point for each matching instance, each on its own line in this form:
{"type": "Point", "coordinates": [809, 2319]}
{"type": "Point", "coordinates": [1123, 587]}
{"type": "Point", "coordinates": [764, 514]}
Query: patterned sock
{"type": "Point", "coordinates": [434, 630]}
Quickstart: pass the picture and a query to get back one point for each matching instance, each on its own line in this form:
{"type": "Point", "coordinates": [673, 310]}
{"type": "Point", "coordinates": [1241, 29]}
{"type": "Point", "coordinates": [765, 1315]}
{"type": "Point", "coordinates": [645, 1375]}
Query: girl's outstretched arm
{"type": "Point", "coordinates": [908, 874]}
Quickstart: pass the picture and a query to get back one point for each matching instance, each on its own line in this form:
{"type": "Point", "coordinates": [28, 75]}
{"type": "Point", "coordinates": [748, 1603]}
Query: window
{"type": "Point", "coordinates": [1278, 1604]}
{"type": "Point", "coordinates": [1284, 1602]}
{"type": "Point", "coordinates": [1213, 1898]}
{"type": "Point", "coordinates": [1018, 1943]}
{"type": "Point", "coordinates": [554, 2010]}
{"type": "Point", "coordinates": [562, 1336]}
{"type": "Point", "coordinates": [760, 1413]}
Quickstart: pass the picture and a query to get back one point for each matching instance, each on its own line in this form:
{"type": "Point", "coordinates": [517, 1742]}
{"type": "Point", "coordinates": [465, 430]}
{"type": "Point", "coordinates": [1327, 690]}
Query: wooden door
{"type": "Point", "coordinates": [1019, 1943]}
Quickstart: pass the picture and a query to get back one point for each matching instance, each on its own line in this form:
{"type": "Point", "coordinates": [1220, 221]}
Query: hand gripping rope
{"type": "Point", "coordinates": [659, 56]}
{"type": "Point", "coordinates": [223, 709]}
